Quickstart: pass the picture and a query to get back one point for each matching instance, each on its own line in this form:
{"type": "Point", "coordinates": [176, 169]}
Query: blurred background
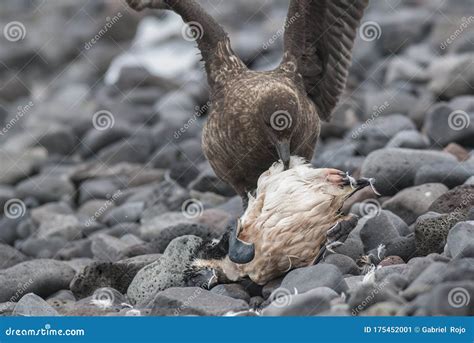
{"type": "Point", "coordinates": [101, 112]}
{"type": "Point", "coordinates": [71, 59]}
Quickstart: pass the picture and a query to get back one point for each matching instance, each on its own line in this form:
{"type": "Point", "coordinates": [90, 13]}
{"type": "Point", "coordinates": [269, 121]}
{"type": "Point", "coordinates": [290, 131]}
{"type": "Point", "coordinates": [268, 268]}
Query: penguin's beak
{"type": "Point", "coordinates": [359, 183]}
{"type": "Point", "coordinates": [362, 183]}
{"type": "Point", "coordinates": [239, 251]}
{"type": "Point", "coordinates": [283, 150]}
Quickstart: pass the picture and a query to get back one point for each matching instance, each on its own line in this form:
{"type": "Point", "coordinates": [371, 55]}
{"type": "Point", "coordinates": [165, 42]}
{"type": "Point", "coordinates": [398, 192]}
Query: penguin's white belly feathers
{"type": "Point", "coordinates": [288, 218]}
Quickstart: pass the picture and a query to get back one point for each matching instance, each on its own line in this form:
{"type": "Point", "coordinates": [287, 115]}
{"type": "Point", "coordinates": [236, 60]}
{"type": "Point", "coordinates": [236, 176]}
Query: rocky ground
{"type": "Point", "coordinates": [106, 193]}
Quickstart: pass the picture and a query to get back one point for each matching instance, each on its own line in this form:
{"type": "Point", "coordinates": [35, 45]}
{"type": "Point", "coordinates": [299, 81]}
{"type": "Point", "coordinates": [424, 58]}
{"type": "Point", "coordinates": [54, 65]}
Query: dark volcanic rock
{"type": "Point", "coordinates": [233, 290]}
{"type": "Point", "coordinates": [429, 277]}
{"type": "Point", "coordinates": [376, 134]}
{"type": "Point", "coordinates": [450, 174]}
{"type": "Point", "coordinates": [31, 305]}
{"type": "Point", "coordinates": [445, 84]}
{"type": "Point", "coordinates": [152, 228]}
{"type": "Point", "coordinates": [385, 271]}
{"type": "Point", "coordinates": [321, 275]}
{"type": "Point", "coordinates": [25, 164]}
{"type": "Point", "coordinates": [53, 225]}
{"type": "Point", "coordinates": [108, 248]}
{"type": "Point", "coordinates": [449, 293]}
{"type": "Point", "coordinates": [445, 124]}
{"type": "Point", "coordinates": [41, 247]}
{"type": "Point", "coordinates": [396, 168]}
{"type": "Point", "coordinates": [351, 247]}
{"type": "Point", "coordinates": [167, 272]}
{"type": "Point", "coordinates": [456, 199]}
{"type": "Point", "coordinates": [402, 247]}
{"type": "Point", "coordinates": [381, 229]}
{"type": "Point", "coordinates": [181, 301]}
{"type": "Point", "coordinates": [9, 256]}
{"type": "Point", "coordinates": [458, 151]}
{"type": "Point", "coordinates": [431, 231]}
{"type": "Point", "coordinates": [412, 202]}
{"type": "Point", "coordinates": [46, 188]}
{"type": "Point", "coordinates": [340, 154]}
{"type": "Point", "coordinates": [136, 149]}
{"type": "Point", "coordinates": [306, 304]}
{"type": "Point", "coordinates": [460, 241]}
{"type": "Point", "coordinates": [344, 263]}
{"type": "Point", "coordinates": [117, 275]}
{"type": "Point", "coordinates": [451, 299]}
{"type": "Point", "coordinates": [42, 277]}
{"type": "Point", "coordinates": [99, 188]}
{"type": "Point", "coordinates": [164, 236]}
{"type": "Point", "coordinates": [163, 197]}
{"type": "Point", "coordinates": [58, 140]}
{"type": "Point", "coordinates": [95, 139]}
{"type": "Point", "coordinates": [129, 212]}
{"type": "Point", "coordinates": [6, 193]}
{"type": "Point", "coordinates": [8, 233]}
{"type": "Point", "coordinates": [460, 269]}
{"type": "Point", "coordinates": [207, 181]}
{"type": "Point", "coordinates": [411, 139]}
{"type": "Point", "coordinates": [407, 22]}
{"type": "Point", "coordinates": [270, 287]}
{"type": "Point", "coordinates": [369, 294]}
